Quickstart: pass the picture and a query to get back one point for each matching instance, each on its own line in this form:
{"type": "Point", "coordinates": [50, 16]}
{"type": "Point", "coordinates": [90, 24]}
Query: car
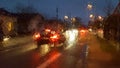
{"type": "Point", "coordinates": [48, 36]}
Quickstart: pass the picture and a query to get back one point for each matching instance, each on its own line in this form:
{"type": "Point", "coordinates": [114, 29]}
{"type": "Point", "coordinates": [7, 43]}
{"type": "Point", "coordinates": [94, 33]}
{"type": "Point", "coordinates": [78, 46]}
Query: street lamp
{"type": "Point", "coordinates": [70, 21]}
{"type": "Point", "coordinates": [65, 17]}
{"type": "Point", "coordinates": [89, 6]}
{"type": "Point", "coordinates": [73, 19]}
{"type": "Point", "coordinates": [66, 20]}
{"type": "Point", "coordinates": [91, 16]}
{"type": "Point", "coordinates": [100, 18]}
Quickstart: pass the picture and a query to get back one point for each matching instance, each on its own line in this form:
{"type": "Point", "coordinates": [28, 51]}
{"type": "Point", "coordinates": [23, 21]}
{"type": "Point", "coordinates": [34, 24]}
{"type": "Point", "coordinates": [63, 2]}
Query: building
{"type": "Point", "coordinates": [8, 22]}
{"type": "Point", "coordinates": [36, 21]}
{"type": "Point", "coordinates": [19, 23]}
{"type": "Point", "coordinates": [112, 25]}
{"type": "Point", "coordinates": [28, 22]}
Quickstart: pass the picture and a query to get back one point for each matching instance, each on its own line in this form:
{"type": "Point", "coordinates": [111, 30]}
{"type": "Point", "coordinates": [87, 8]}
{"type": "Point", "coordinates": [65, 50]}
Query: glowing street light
{"type": "Point", "coordinates": [91, 16]}
{"type": "Point", "coordinates": [100, 18]}
{"type": "Point", "coordinates": [73, 19]}
{"type": "Point", "coordinates": [89, 6]}
{"type": "Point", "coordinates": [65, 17]}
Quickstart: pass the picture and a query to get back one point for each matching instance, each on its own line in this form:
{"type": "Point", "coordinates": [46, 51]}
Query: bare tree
{"type": "Point", "coordinates": [21, 8]}
{"type": "Point", "coordinates": [108, 8]}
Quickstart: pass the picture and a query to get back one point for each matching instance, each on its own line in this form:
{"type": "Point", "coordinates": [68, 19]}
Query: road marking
{"type": "Point", "coordinates": [50, 60]}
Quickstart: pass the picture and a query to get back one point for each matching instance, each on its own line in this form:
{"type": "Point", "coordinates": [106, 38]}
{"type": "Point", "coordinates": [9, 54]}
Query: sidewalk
{"type": "Point", "coordinates": [97, 57]}
{"type": "Point", "coordinates": [12, 42]}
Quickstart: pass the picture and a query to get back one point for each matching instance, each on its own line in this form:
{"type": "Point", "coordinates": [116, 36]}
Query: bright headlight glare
{"type": "Point", "coordinates": [6, 39]}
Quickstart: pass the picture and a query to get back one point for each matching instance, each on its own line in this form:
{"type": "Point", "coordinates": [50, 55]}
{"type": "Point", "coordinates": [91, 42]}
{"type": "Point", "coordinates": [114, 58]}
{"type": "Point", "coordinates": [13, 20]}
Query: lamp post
{"type": "Point", "coordinates": [66, 20]}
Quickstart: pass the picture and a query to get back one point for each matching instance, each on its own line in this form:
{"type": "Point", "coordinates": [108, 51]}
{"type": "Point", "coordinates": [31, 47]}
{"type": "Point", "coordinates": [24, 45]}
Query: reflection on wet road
{"type": "Point", "coordinates": [73, 55]}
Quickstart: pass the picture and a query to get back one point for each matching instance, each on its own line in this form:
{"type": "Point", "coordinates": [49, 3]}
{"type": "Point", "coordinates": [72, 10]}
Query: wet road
{"type": "Point", "coordinates": [84, 52]}
{"type": "Point", "coordinates": [73, 55]}
{"type": "Point", "coordinates": [28, 57]}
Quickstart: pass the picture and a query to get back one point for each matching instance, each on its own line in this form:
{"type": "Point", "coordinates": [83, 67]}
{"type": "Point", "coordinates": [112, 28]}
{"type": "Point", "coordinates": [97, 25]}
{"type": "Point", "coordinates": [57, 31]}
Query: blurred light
{"type": "Point", "coordinates": [73, 19]}
{"type": "Point", "coordinates": [53, 32]}
{"type": "Point", "coordinates": [65, 17]}
{"type": "Point", "coordinates": [36, 36]}
{"type": "Point", "coordinates": [91, 16]}
{"type": "Point", "coordinates": [51, 58]}
{"type": "Point", "coordinates": [54, 38]}
{"type": "Point", "coordinates": [89, 6]}
{"type": "Point", "coordinates": [71, 37]}
{"type": "Point", "coordinates": [44, 49]}
{"type": "Point", "coordinates": [90, 30]}
{"type": "Point", "coordinates": [100, 18]}
{"type": "Point", "coordinates": [100, 31]}
{"type": "Point", "coordinates": [83, 31]}
{"type": "Point", "coordinates": [47, 30]}
{"type": "Point", "coordinates": [9, 26]}
{"type": "Point", "coordinates": [6, 39]}
{"type": "Point", "coordinates": [75, 31]}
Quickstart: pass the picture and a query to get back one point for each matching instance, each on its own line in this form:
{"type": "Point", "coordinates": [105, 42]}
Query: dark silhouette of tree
{"type": "Point", "coordinates": [108, 8]}
{"type": "Point", "coordinates": [112, 27]}
{"type": "Point", "coordinates": [77, 22]}
{"type": "Point", "coordinates": [97, 23]}
{"type": "Point", "coordinates": [21, 8]}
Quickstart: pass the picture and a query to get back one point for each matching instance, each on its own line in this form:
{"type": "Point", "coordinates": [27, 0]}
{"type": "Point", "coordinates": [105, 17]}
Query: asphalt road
{"type": "Point", "coordinates": [27, 56]}
{"type": "Point", "coordinates": [85, 53]}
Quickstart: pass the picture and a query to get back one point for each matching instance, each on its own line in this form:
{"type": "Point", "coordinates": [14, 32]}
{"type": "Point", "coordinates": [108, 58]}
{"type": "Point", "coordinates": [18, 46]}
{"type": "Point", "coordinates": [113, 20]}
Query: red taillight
{"type": "Point", "coordinates": [36, 36]}
{"type": "Point", "coordinates": [83, 31]}
{"type": "Point", "coordinates": [54, 37]}
{"type": "Point", "coordinates": [47, 30]}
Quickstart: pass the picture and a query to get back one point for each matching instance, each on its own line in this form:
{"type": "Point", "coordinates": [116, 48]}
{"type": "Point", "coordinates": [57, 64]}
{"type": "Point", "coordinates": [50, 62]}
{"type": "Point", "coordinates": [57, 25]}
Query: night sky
{"type": "Point", "coordinates": [71, 8]}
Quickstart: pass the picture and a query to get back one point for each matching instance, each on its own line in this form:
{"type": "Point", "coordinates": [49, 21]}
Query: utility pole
{"type": "Point", "coordinates": [57, 12]}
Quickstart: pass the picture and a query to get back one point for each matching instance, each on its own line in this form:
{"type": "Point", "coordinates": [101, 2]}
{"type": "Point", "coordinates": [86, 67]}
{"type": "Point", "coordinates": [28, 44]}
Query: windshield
{"type": "Point", "coordinates": [84, 33]}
